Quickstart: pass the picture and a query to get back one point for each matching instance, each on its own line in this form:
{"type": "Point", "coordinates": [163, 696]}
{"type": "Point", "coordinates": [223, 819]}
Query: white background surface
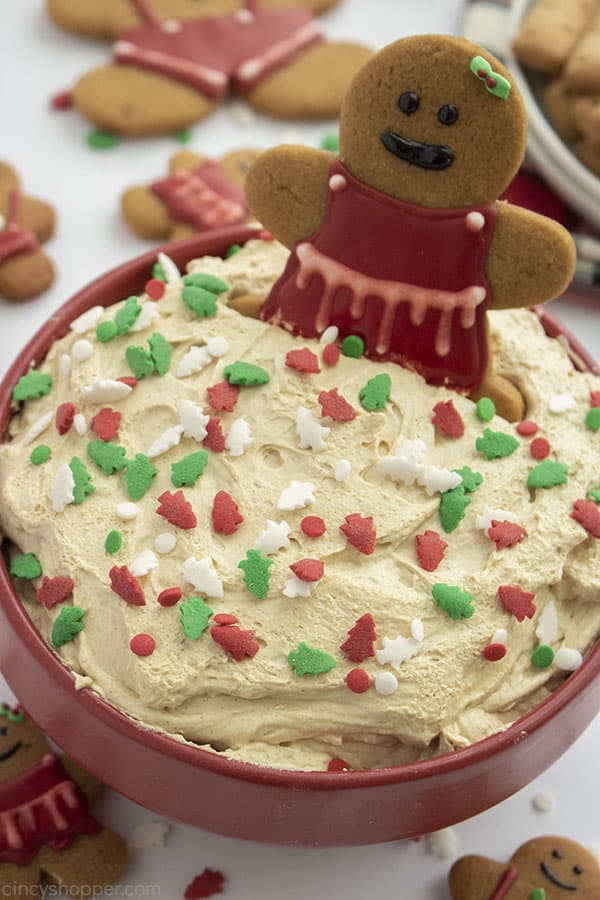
{"type": "Point", "coordinates": [37, 60]}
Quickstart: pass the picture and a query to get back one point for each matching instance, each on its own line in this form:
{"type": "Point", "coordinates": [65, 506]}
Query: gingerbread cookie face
{"type": "Point", "coordinates": [22, 744]}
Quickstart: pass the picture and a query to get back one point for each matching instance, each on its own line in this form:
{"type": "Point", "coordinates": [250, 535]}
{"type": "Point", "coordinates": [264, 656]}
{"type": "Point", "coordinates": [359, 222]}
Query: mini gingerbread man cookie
{"type": "Point", "coordinates": [199, 194]}
{"type": "Point", "coordinates": [47, 832]}
{"type": "Point", "coordinates": [401, 240]}
{"type": "Point", "coordinates": [25, 223]}
{"type": "Point", "coordinates": [175, 61]}
{"type": "Point", "coordinates": [546, 868]}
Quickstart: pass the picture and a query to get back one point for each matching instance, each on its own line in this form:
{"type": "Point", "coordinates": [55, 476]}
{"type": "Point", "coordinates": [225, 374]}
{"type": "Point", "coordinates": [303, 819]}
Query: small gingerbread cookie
{"type": "Point", "coordinates": [199, 194]}
{"type": "Point", "coordinates": [25, 223]}
{"type": "Point", "coordinates": [558, 103]}
{"type": "Point", "coordinates": [586, 117]}
{"type": "Point", "coordinates": [47, 833]}
{"type": "Point", "coordinates": [589, 154]}
{"type": "Point", "coordinates": [546, 868]}
{"type": "Point", "coordinates": [550, 32]}
{"type": "Point", "coordinates": [582, 70]}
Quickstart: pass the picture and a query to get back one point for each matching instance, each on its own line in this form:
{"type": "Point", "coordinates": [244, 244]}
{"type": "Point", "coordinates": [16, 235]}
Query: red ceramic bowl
{"type": "Point", "coordinates": [242, 800]}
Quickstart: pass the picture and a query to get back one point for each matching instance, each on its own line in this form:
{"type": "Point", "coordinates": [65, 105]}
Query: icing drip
{"type": "Point", "coordinates": [14, 239]}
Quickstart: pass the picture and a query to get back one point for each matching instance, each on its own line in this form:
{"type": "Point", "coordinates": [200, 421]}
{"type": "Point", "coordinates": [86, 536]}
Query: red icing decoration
{"type": "Point", "coordinates": [336, 407]}
{"type": "Point", "coordinates": [142, 644]}
{"type": "Point", "coordinates": [430, 318]}
{"type": "Point", "coordinates": [491, 83]}
{"type": "Point", "coordinates": [360, 533]}
{"type": "Point", "coordinates": [495, 652]}
{"type": "Point", "coordinates": [215, 439]}
{"type": "Point", "coordinates": [331, 355]}
{"type": "Point", "coordinates": [540, 448]}
{"type": "Point", "coordinates": [226, 515]}
{"type": "Point", "coordinates": [527, 428]}
{"type": "Point", "coordinates": [303, 361]}
{"type": "Point", "coordinates": [106, 423]}
{"type": "Point", "coordinates": [517, 602]}
{"type": "Point", "coordinates": [126, 586]}
{"type": "Point", "coordinates": [447, 418]}
{"type": "Point", "coordinates": [129, 380]}
{"type": "Point", "coordinates": [308, 569]}
{"type": "Point", "coordinates": [265, 235]}
{"type": "Point", "coordinates": [506, 534]}
{"type": "Point", "coordinates": [14, 239]}
{"type": "Point", "coordinates": [41, 806]}
{"type": "Point", "coordinates": [338, 765]}
{"type": "Point", "coordinates": [359, 645]}
{"type": "Point", "coordinates": [222, 397]}
{"type": "Point", "coordinates": [205, 197]}
{"type": "Point", "coordinates": [587, 513]}
{"type": "Point", "coordinates": [595, 399]}
{"type": "Point", "coordinates": [54, 590]}
{"type": "Point", "coordinates": [177, 510]}
{"type": "Point", "coordinates": [65, 413]}
{"type": "Point", "coordinates": [62, 100]}
{"type": "Point", "coordinates": [155, 289]}
{"type": "Point", "coordinates": [209, 883]}
{"type": "Point", "coordinates": [170, 596]}
{"type": "Point", "coordinates": [358, 681]}
{"type": "Point", "coordinates": [237, 643]}
{"type": "Point", "coordinates": [430, 550]}
{"type": "Point", "coordinates": [313, 526]}
{"type": "Point", "coordinates": [505, 883]}
{"type": "Point", "coordinates": [225, 619]}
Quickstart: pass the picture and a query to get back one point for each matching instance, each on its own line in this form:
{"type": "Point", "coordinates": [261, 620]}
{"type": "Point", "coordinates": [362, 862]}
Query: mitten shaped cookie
{"type": "Point", "coordinates": [175, 61]}
{"type": "Point", "coordinates": [546, 868]}
{"type": "Point", "coordinates": [199, 194]}
{"type": "Point", "coordinates": [25, 223]}
{"type": "Point", "coordinates": [47, 832]}
{"type": "Point", "coordinates": [401, 239]}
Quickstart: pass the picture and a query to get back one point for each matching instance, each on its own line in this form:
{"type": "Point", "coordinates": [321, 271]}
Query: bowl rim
{"type": "Point", "coordinates": [185, 752]}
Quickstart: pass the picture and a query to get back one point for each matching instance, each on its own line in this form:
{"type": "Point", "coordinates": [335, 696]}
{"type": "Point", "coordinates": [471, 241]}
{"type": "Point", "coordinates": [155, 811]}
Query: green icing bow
{"type": "Point", "coordinates": [16, 716]}
{"type": "Point", "coordinates": [495, 83]}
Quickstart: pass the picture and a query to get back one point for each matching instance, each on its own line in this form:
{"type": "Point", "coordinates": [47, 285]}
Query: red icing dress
{"type": "Point", "coordinates": [14, 239]}
{"type": "Point", "coordinates": [205, 197]}
{"type": "Point", "coordinates": [41, 806]}
{"type": "Point", "coordinates": [409, 280]}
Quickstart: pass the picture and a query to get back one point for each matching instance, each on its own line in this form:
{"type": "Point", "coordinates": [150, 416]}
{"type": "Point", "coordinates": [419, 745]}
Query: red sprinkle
{"type": "Point", "coordinates": [360, 533]}
{"type": "Point", "coordinates": [226, 515]}
{"type": "Point", "coordinates": [225, 619]}
{"type": "Point", "coordinates": [336, 407]}
{"type": "Point", "coordinates": [170, 596]}
{"type": "Point", "coordinates": [430, 550]}
{"type": "Point", "coordinates": [62, 101]}
{"type": "Point", "coordinates": [54, 590]}
{"type": "Point", "coordinates": [106, 423]}
{"type": "Point", "coordinates": [527, 428]}
{"type": "Point", "coordinates": [331, 355]}
{"type": "Point", "coordinates": [209, 883]}
{"type": "Point", "coordinates": [126, 586]}
{"type": "Point", "coordinates": [587, 513]}
{"type": "Point", "coordinates": [517, 602]}
{"type": "Point", "coordinates": [303, 361]}
{"type": "Point", "coordinates": [540, 448]}
{"type": "Point", "coordinates": [358, 681]}
{"type": "Point", "coordinates": [447, 418]}
{"type": "Point", "coordinates": [65, 414]}
{"type": "Point", "coordinates": [506, 534]}
{"type": "Point", "coordinates": [495, 652]}
{"type": "Point", "coordinates": [215, 439]}
{"type": "Point", "coordinates": [359, 644]}
{"type": "Point", "coordinates": [313, 526]}
{"type": "Point", "coordinates": [235, 642]}
{"type": "Point", "coordinates": [265, 235]}
{"type": "Point", "coordinates": [308, 569]}
{"type": "Point", "coordinates": [594, 399]}
{"type": "Point", "coordinates": [338, 765]}
{"type": "Point", "coordinates": [129, 380]}
{"type": "Point", "coordinates": [222, 397]}
{"type": "Point", "coordinates": [177, 510]}
{"type": "Point", "coordinates": [142, 644]}
{"type": "Point", "coordinates": [155, 288]}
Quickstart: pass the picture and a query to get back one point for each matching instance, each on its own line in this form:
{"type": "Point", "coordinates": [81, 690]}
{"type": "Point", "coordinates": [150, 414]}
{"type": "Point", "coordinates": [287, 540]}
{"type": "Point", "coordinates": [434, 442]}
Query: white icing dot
{"type": "Point", "coordinates": [82, 350]}
{"type": "Point", "coordinates": [338, 183]}
{"type": "Point", "coordinates": [544, 802]}
{"type": "Point", "coordinates": [444, 844]}
{"type": "Point", "coordinates": [105, 391]}
{"type": "Point", "coordinates": [475, 221]}
{"type": "Point", "coordinates": [568, 659]}
{"type": "Point", "coordinates": [386, 683]}
{"type": "Point", "coordinates": [165, 543]}
{"type": "Point", "coordinates": [38, 428]}
{"type": "Point", "coordinates": [249, 70]}
{"type": "Point", "coordinates": [145, 562]}
{"type": "Point", "coordinates": [560, 403]}
{"type": "Point", "coordinates": [127, 511]}
{"type": "Point", "coordinates": [64, 365]}
{"type": "Point", "coordinates": [244, 16]}
{"type": "Point", "coordinates": [87, 321]}
{"type": "Point", "coordinates": [500, 636]}
{"type": "Point", "coordinates": [80, 424]}
{"type": "Point", "coordinates": [330, 335]}
{"type": "Point", "coordinates": [217, 346]}
{"type": "Point", "coordinates": [170, 270]}
{"type": "Point", "coordinates": [171, 26]}
{"type": "Point", "coordinates": [342, 470]}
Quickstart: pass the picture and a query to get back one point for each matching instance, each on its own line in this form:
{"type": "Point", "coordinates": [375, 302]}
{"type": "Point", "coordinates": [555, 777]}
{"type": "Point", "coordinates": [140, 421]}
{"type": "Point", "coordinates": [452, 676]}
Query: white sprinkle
{"type": "Point", "coordinates": [145, 562]}
{"type": "Point", "coordinates": [63, 490]}
{"type": "Point", "coordinates": [437, 481]}
{"type": "Point", "coordinates": [80, 424]}
{"type": "Point", "coordinates": [273, 538]}
{"type": "Point", "coordinates": [242, 114]}
{"type": "Point", "coordinates": [165, 543]}
{"type": "Point", "coordinates": [193, 421]}
{"type": "Point", "coordinates": [167, 440]}
{"type": "Point", "coordinates": [330, 335]}
{"type": "Point", "coordinates": [126, 511]}
{"type": "Point", "coordinates": [106, 391]}
{"type": "Point", "coordinates": [547, 628]}
{"type": "Point", "coordinates": [474, 221]}
{"type": "Point", "coordinates": [38, 427]}
{"type": "Point", "coordinates": [405, 463]}
{"type": "Point", "coordinates": [386, 683]}
{"type": "Point", "coordinates": [217, 346]}
{"type": "Point", "coordinates": [500, 636]}
{"type": "Point", "coordinates": [295, 587]}
{"type": "Point", "coordinates": [544, 802]}
{"type": "Point", "coordinates": [82, 350]}
{"type": "Point", "coordinates": [149, 836]}
{"type": "Point", "coordinates": [170, 270]}
{"type": "Point", "coordinates": [342, 470]}
{"type": "Point", "coordinates": [147, 317]}
{"type": "Point", "coordinates": [567, 659]}
{"type": "Point", "coordinates": [417, 630]}
{"type": "Point", "coordinates": [194, 361]}
{"type": "Point", "coordinates": [64, 365]}
{"type": "Point", "coordinates": [484, 521]}
{"type": "Point", "coordinates": [87, 321]}
{"type": "Point", "coordinates": [560, 403]}
{"type": "Point", "coordinates": [311, 433]}
{"type": "Point", "coordinates": [297, 495]}
{"type": "Point", "coordinates": [201, 575]}
{"type": "Point", "coordinates": [444, 844]}
{"type": "Point", "coordinates": [397, 651]}
{"type": "Point", "coordinates": [239, 437]}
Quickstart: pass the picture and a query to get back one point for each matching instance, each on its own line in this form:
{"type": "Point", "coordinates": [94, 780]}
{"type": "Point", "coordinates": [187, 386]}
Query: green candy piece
{"type": "Point", "coordinates": [353, 346]}
{"type": "Point", "coordinates": [83, 482]}
{"type": "Point", "coordinates": [200, 293]}
{"type": "Point", "coordinates": [331, 142]}
{"type": "Point", "coordinates": [542, 657]}
{"type": "Point", "coordinates": [306, 660]}
{"type": "Point", "coordinates": [127, 315]}
{"type": "Point", "coordinates": [99, 139]}
{"type": "Point", "coordinates": [496, 444]}
{"type": "Point", "coordinates": [456, 603]}
{"type": "Point", "coordinates": [595, 495]}
{"type": "Point", "coordinates": [194, 615]}
{"type": "Point", "coordinates": [376, 392]}
{"type": "Point", "coordinates": [207, 282]}
{"type": "Point", "coordinates": [548, 474]}
{"type": "Point", "coordinates": [139, 476]}
{"type": "Point", "coordinates": [32, 386]}
{"type": "Point", "coordinates": [161, 352]}
{"type": "Point", "coordinates": [485, 409]}
{"type": "Point", "coordinates": [68, 625]}
{"type": "Point", "coordinates": [40, 454]}
{"type": "Point", "coordinates": [538, 894]}
{"type": "Point", "coordinates": [231, 251]}
{"type": "Point", "coordinates": [256, 573]}
{"type": "Point", "coordinates": [470, 479]}
{"type": "Point", "coordinates": [106, 331]}
{"type": "Point", "coordinates": [246, 375]}
{"type": "Point", "coordinates": [139, 361]}
{"type": "Point", "coordinates": [188, 470]}
{"type": "Point", "coordinates": [592, 420]}
{"type": "Point", "coordinates": [27, 565]}
{"type": "Point", "coordinates": [184, 136]}
{"type": "Point", "coordinates": [113, 542]}
{"type": "Point", "coordinates": [453, 507]}
{"type": "Point", "coordinates": [158, 272]}
{"type": "Point", "coordinates": [108, 456]}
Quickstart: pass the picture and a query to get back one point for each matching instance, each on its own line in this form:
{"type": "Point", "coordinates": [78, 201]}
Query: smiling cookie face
{"type": "Point", "coordinates": [561, 867]}
{"type": "Point", "coordinates": [22, 744]}
{"type": "Point", "coordinates": [434, 121]}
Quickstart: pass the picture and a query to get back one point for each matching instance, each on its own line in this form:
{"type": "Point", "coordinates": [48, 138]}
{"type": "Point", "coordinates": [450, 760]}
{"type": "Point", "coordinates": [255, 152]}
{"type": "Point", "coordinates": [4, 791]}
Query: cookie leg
{"type": "Point", "coordinates": [507, 398]}
{"type": "Point", "coordinates": [91, 862]}
{"type": "Point", "coordinates": [135, 102]}
{"type": "Point", "coordinates": [26, 276]}
{"type": "Point", "coordinates": [146, 214]}
{"type": "Point", "coordinates": [14, 880]}
{"type": "Point", "coordinates": [313, 85]}
{"type": "Point", "coordinates": [34, 214]}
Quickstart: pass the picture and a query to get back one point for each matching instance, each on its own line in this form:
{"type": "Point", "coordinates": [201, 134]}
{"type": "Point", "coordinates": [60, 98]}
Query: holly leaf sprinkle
{"type": "Point", "coordinates": [83, 482]}
{"type": "Point", "coordinates": [256, 573]}
{"type": "Point", "coordinates": [68, 625]}
{"type": "Point", "coordinates": [245, 374]}
{"type": "Point", "coordinates": [195, 615]}
{"type": "Point", "coordinates": [113, 542]}
{"type": "Point", "coordinates": [139, 476]}
{"type": "Point", "coordinates": [26, 565]}
{"type": "Point", "coordinates": [107, 456]}
{"type": "Point", "coordinates": [456, 603]}
{"type": "Point", "coordinates": [127, 315]}
{"type": "Point", "coordinates": [453, 506]}
{"type": "Point", "coordinates": [376, 392]}
{"type": "Point", "coordinates": [200, 294]}
{"type": "Point", "coordinates": [32, 386]}
{"type": "Point", "coordinates": [139, 361]}
{"type": "Point", "coordinates": [485, 409]}
{"type": "Point", "coordinates": [306, 660]}
{"type": "Point", "coordinates": [470, 480]}
{"type": "Point", "coordinates": [496, 444]}
{"type": "Point", "coordinates": [189, 469]}
{"type": "Point", "coordinates": [161, 352]}
{"type": "Point", "coordinates": [40, 454]}
{"type": "Point", "coordinates": [548, 474]}
{"type": "Point", "coordinates": [106, 332]}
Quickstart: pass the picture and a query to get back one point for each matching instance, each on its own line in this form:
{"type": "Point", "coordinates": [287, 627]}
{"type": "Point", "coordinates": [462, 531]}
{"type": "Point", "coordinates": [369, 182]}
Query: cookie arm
{"type": "Point", "coordinates": [90, 786]}
{"type": "Point", "coordinates": [287, 191]}
{"type": "Point", "coordinates": [531, 258]}
{"type": "Point", "coordinates": [475, 878]}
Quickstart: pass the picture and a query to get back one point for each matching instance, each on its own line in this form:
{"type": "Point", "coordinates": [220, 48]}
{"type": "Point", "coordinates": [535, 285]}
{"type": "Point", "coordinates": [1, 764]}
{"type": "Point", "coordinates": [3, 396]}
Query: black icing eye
{"type": "Point", "coordinates": [577, 870]}
{"type": "Point", "coordinates": [3, 731]}
{"type": "Point", "coordinates": [557, 854]}
{"type": "Point", "coordinates": [409, 102]}
{"type": "Point", "coordinates": [447, 114]}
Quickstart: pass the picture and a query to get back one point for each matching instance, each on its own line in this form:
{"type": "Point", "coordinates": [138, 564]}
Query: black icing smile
{"type": "Point", "coordinates": [8, 753]}
{"type": "Point", "coordinates": [555, 879]}
{"type": "Point", "coordinates": [426, 156]}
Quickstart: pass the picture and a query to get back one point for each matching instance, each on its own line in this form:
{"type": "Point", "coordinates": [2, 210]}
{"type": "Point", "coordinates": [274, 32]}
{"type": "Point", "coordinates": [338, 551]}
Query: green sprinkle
{"type": "Point", "coordinates": [353, 346]}
{"type": "Point", "coordinates": [331, 142]}
{"type": "Point", "coordinates": [106, 331]}
{"type": "Point", "coordinates": [231, 251]}
{"type": "Point", "coordinates": [548, 474]}
{"type": "Point", "coordinates": [139, 361]}
{"type": "Point", "coordinates": [542, 657]}
{"type": "Point", "coordinates": [127, 315]}
{"type": "Point", "coordinates": [27, 565]}
{"type": "Point", "coordinates": [113, 542]}
{"type": "Point", "coordinates": [470, 479]}
{"type": "Point", "coordinates": [184, 136]}
{"type": "Point", "coordinates": [306, 660]}
{"type": "Point", "coordinates": [194, 615]}
{"type": "Point", "coordinates": [496, 444]}
{"type": "Point", "coordinates": [200, 293]}
{"type": "Point", "coordinates": [161, 352]}
{"type": "Point", "coordinates": [246, 374]}
{"type": "Point", "coordinates": [592, 420]}
{"type": "Point", "coordinates": [32, 386]}
{"type": "Point", "coordinates": [188, 470]}
{"type": "Point", "coordinates": [40, 454]}
{"type": "Point", "coordinates": [83, 483]}
{"type": "Point", "coordinates": [453, 506]}
{"type": "Point", "coordinates": [102, 140]}
{"type": "Point", "coordinates": [68, 624]}
{"type": "Point", "coordinates": [207, 282]}
{"type": "Point", "coordinates": [485, 409]}
{"type": "Point", "coordinates": [256, 573]}
{"type": "Point", "coordinates": [158, 272]}
{"type": "Point", "coordinates": [458, 604]}
{"type": "Point", "coordinates": [139, 475]}
{"type": "Point", "coordinates": [538, 894]}
{"type": "Point", "coordinates": [595, 495]}
{"type": "Point", "coordinates": [376, 392]}
{"type": "Point", "coordinates": [108, 456]}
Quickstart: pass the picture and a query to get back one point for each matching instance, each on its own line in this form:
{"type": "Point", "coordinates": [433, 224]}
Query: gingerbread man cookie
{"type": "Point", "coordinates": [25, 223]}
{"type": "Point", "coordinates": [47, 832]}
{"type": "Point", "coordinates": [401, 240]}
{"type": "Point", "coordinates": [199, 194]}
{"type": "Point", "coordinates": [175, 61]}
{"type": "Point", "coordinates": [546, 868]}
